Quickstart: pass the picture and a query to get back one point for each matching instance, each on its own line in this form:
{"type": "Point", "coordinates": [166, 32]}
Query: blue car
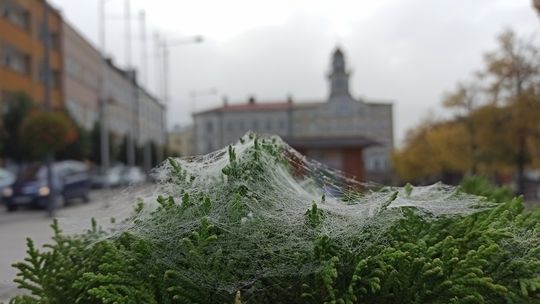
{"type": "Point", "coordinates": [71, 180]}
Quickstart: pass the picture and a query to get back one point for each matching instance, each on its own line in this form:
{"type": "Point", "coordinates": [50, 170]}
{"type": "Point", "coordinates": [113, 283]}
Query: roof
{"type": "Point", "coordinates": [331, 142]}
{"type": "Point", "coordinates": [257, 106]}
{"type": "Point", "coordinates": [275, 105]}
{"type": "Point", "coordinates": [150, 95]}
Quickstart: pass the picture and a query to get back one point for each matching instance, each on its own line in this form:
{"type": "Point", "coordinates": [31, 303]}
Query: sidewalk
{"type": "Point", "coordinates": [17, 226]}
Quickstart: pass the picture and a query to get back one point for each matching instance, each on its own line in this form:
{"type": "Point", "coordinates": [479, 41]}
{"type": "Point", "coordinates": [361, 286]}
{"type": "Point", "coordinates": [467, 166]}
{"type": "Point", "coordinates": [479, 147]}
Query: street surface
{"type": "Point", "coordinates": [16, 226]}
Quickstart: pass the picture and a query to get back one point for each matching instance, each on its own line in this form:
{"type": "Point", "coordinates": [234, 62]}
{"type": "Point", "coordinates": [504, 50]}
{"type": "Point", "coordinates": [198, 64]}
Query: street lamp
{"type": "Point", "coordinates": [104, 133]}
{"type": "Point", "coordinates": [165, 45]}
{"type": "Point", "coordinates": [193, 95]}
{"type": "Point", "coordinates": [49, 160]}
{"type": "Point", "coordinates": [103, 128]}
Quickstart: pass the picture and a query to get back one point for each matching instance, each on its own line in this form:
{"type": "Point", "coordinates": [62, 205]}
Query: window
{"type": "Point", "coordinates": [383, 164]}
{"type": "Point", "coordinates": [339, 83]}
{"type": "Point", "coordinates": [54, 38]}
{"type": "Point", "coordinates": [55, 41]}
{"type": "Point", "coordinates": [281, 124]}
{"type": "Point", "coordinates": [5, 98]}
{"type": "Point", "coordinates": [209, 127]}
{"type": "Point", "coordinates": [54, 76]}
{"type": "Point", "coordinates": [15, 14]}
{"type": "Point", "coordinates": [377, 164]}
{"type": "Point", "coordinates": [14, 59]}
{"type": "Point", "coordinates": [269, 125]}
{"type": "Point", "coordinates": [73, 68]}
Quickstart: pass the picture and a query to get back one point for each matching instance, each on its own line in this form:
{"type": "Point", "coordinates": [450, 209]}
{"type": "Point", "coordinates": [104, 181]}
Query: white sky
{"type": "Point", "coordinates": [407, 51]}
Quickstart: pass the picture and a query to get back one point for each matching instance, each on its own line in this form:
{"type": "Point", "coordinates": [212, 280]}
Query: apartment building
{"type": "Point", "coordinates": [22, 52]}
{"type": "Point", "coordinates": [83, 67]}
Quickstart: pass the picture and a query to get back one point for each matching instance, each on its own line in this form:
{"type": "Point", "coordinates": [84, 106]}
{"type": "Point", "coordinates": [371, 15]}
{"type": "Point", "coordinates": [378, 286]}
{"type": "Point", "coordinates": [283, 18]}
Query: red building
{"type": "Point", "coordinates": [341, 153]}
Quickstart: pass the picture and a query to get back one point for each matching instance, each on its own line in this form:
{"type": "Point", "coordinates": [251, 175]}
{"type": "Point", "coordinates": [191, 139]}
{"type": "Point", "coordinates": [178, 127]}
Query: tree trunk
{"type": "Point", "coordinates": [520, 164]}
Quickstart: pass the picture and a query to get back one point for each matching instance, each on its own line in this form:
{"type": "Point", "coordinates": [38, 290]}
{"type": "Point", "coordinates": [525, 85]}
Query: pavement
{"type": "Point", "coordinates": [16, 227]}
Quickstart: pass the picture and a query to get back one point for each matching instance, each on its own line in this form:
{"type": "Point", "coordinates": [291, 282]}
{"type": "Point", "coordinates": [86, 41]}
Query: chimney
{"type": "Point", "coordinates": [225, 101]}
{"type": "Point", "coordinates": [289, 98]}
{"type": "Point", "coordinates": [251, 100]}
{"type": "Point", "coordinates": [131, 75]}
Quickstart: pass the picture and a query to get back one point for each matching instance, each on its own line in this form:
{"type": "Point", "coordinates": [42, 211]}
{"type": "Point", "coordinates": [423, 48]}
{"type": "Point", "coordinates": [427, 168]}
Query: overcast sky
{"type": "Point", "coordinates": [406, 51]}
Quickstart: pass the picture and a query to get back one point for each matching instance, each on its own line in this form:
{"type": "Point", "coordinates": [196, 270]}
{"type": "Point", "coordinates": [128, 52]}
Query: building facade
{"type": "Point", "coordinates": [150, 119]}
{"type": "Point", "coordinates": [83, 69]}
{"type": "Point", "coordinates": [180, 141]}
{"type": "Point", "coordinates": [150, 126]}
{"type": "Point", "coordinates": [91, 88]}
{"type": "Point", "coordinates": [353, 135]}
{"type": "Point", "coordinates": [120, 93]}
{"type": "Point", "coordinates": [22, 51]}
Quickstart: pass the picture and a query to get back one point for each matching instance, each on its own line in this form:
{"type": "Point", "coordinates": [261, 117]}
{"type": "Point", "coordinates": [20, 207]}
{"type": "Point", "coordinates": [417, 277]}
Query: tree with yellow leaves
{"type": "Point", "coordinates": [434, 150]}
{"type": "Point", "coordinates": [513, 75]}
{"type": "Point", "coordinates": [496, 128]}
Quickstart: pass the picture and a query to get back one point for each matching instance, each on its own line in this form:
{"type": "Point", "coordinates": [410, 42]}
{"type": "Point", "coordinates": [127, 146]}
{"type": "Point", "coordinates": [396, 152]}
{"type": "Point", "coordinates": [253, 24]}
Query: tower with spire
{"type": "Point", "coordinates": [339, 77]}
{"type": "Point", "coordinates": [348, 133]}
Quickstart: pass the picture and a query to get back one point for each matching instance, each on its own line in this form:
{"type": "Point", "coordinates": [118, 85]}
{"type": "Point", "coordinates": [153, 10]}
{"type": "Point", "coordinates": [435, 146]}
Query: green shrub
{"type": "Point", "coordinates": [479, 185]}
{"type": "Point", "coordinates": [259, 224]}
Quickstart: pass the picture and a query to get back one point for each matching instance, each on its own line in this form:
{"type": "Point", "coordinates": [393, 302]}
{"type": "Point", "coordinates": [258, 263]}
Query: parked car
{"type": "Point", "coordinates": [112, 178]}
{"type": "Point", "coordinates": [6, 179]}
{"type": "Point", "coordinates": [70, 180]}
{"type": "Point", "coordinates": [133, 176]}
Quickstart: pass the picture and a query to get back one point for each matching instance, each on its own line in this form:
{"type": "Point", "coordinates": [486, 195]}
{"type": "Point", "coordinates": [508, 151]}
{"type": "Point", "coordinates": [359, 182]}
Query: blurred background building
{"type": "Point", "coordinates": [22, 51]}
{"type": "Point", "coordinates": [180, 141]}
{"type": "Point", "coordinates": [349, 134]}
{"type": "Point", "coordinates": [83, 65]}
{"type": "Point", "coordinates": [80, 76]}
{"type": "Point", "coordinates": [151, 127]}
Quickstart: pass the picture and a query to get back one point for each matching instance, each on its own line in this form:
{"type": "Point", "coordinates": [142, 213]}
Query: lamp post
{"type": "Point", "coordinates": [193, 95]}
{"type": "Point", "coordinates": [103, 128]}
{"type": "Point", "coordinates": [49, 159]}
{"type": "Point", "coordinates": [104, 135]}
{"type": "Point", "coordinates": [164, 46]}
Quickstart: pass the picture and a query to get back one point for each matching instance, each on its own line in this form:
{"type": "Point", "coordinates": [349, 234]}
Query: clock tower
{"type": "Point", "coordinates": [339, 77]}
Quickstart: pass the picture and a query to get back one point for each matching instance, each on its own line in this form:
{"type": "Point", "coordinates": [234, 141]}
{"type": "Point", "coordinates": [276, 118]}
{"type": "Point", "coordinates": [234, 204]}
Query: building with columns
{"type": "Point", "coordinates": [350, 134]}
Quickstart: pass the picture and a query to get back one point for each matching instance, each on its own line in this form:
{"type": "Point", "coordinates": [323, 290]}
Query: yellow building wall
{"type": "Point", "coordinates": [27, 41]}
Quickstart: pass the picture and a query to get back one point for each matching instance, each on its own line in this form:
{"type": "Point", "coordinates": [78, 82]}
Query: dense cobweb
{"type": "Point", "coordinates": [256, 196]}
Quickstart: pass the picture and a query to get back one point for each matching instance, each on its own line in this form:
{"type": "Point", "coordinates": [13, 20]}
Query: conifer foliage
{"type": "Point", "coordinates": [253, 224]}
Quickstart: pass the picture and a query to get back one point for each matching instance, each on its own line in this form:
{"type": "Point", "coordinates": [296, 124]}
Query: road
{"type": "Point", "coordinates": [16, 226]}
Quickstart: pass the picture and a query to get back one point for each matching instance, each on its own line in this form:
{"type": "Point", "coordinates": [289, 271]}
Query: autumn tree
{"type": "Point", "coordinates": [434, 151]}
{"type": "Point", "coordinates": [498, 113]}
{"type": "Point", "coordinates": [513, 76]}
{"type": "Point", "coordinates": [44, 132]}
{"type": "Point", "coordinates": [536, 5]}
{"type": "Point", "coordinates": [464, 100]}
{"type": "Point", "coordinates": [81, 147]}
